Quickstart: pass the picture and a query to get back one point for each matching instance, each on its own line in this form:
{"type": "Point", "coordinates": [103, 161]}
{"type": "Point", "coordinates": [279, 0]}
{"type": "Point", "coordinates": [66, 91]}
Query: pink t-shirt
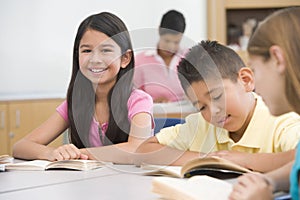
{"type": "Point", "coordinates": [154, 77]}
{"type": "Point", "coordinates": [138, 102]}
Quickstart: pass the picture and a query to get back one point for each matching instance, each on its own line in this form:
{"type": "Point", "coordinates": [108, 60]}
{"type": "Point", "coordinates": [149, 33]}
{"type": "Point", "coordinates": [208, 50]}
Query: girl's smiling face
{"type": "Point", "coordinates": [99, 57]}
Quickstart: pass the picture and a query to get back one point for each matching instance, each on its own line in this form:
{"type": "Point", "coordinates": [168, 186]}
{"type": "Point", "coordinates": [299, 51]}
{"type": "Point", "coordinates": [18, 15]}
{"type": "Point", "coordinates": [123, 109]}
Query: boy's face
{"type": "Point", "coordinates": [223, 103]}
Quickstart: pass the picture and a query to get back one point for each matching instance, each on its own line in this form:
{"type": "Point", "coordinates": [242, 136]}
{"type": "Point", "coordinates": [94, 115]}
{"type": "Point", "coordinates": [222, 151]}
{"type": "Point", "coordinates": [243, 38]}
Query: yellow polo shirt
{"type": "Point", "coordinates": [264, 134]}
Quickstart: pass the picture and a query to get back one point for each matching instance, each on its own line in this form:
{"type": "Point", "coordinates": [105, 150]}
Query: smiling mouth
{"type": "Point", "coordinates": [98, 70]}
{"type": "Point", "coordinates": [223, 120]}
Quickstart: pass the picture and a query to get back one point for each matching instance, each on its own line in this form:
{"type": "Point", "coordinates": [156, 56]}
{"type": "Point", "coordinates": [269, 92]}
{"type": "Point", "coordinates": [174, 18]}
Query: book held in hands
{"type": "Point", "coordinates": [197, 179]}
{"type": "Point", "coordinates": [211, 166]}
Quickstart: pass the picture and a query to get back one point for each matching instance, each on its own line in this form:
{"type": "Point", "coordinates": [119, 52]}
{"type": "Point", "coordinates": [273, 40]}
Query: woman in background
{"type": "Point", "coordinates": [156, 69]}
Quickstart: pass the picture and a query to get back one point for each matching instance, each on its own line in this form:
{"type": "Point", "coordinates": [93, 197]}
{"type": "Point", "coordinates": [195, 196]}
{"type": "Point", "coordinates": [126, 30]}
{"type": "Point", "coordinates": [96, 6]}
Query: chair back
{"type": "Point", "coordinates": [166, 122]}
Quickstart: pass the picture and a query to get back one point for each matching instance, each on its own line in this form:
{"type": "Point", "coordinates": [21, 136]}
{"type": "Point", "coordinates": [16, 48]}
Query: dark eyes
{"type": "Point", "coordinates": [106, 50]}
{"type": "Point", "coordinates": [214, 99]}
{"type": "Point", "coordinates": [86, 51]}
{"type": "Point", "coordinates": [102, 51]}
{"type": "Point", "coordinates": [217, 97]}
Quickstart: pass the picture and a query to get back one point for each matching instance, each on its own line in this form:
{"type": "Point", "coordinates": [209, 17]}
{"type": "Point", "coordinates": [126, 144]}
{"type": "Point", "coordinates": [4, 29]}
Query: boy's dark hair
{"type": "Point", "coordinates": [172, 22]}
{"type": "Point", "coordinates": [209, 60]}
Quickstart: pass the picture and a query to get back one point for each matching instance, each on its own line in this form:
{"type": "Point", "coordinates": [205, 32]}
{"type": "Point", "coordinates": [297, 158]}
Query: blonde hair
{"type": "Point", "coordinates": [282, 28]}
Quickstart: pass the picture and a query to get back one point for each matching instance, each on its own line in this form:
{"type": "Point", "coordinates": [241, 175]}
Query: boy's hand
{"type": "Point", "coordinates": [66, 152]}
{"type": "Point", "coordinates": [251, 186]}
{"type": "Point", "coordinates": [237, 157]}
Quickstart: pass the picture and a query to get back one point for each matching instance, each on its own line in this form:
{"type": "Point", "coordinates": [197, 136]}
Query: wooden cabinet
{"type": "Point", "coordinates": [3, 129]}
{"type": "Point", "coordinates": [18, 118]}
{"type": "Point", "coordinates": [223, 13]}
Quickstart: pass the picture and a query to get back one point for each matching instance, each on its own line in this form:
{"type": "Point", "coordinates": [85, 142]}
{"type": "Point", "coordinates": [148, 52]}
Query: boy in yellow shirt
{"type": "Point", "coordinates": [233, 122]}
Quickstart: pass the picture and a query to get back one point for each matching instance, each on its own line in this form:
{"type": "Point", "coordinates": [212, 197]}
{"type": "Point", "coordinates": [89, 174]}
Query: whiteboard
{"type": "Point", "coordinates": [37, 36]}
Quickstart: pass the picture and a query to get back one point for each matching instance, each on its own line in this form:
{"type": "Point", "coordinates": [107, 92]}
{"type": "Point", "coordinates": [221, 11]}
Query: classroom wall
{"type": "Point", "coordinates": [37, 36]}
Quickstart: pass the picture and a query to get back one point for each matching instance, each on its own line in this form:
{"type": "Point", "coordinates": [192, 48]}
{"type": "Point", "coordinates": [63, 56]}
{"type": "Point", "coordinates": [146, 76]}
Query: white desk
{"type": "Point", "coordinates": [107, 183]}
{"type": "Point", "coordinates": [116, 182]}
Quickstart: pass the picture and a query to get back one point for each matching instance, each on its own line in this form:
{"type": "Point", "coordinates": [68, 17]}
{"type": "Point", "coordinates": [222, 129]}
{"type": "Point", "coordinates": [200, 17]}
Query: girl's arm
{"type": "Point", "coordinates": [123, 153]}
{"type": "Point", "coordinates": [34, 145]}
{"type": "Point", "coordinates": [261, 162]}
{"type": "Point", "coordinates": [140, 130]}
{"type": "Point", "coordinates": [280, 177]}
{"type": "Point", "coordinates": [139, 150]}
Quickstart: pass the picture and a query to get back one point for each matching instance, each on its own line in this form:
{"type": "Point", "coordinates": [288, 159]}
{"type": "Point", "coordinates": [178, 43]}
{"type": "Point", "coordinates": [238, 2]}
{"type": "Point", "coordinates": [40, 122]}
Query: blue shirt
{"type": "Point", "coordinates": [294, 176]}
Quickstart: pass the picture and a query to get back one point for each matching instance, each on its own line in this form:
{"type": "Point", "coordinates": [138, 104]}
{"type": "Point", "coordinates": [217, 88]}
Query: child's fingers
{"type": "Point", "coordinates": [235, 195]}
{"type": "Point", "coordinates": [256, 178]}
{"type": "Point", "coordinates": [84, 157]}
{"type": "Point", "coordinates": [73, 151]}
{"type": "Point", "coordinates": [66, 152]}
{"type": "Point", "coordinates": [87, 154]}
{"type": "Point", "coordinates": [57, 155]}
{"type": "Point", "coordinates": [245, 180]}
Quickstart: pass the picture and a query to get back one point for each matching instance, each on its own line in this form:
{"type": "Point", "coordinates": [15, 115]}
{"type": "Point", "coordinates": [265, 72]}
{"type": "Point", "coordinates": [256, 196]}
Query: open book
{"type": "Point", "coordinates": [82, 165]}
{"type": "Point", "coordinates": [4, 159]}
{"type": "Point", "coordinates": [197, 187]}
{"type": "Point", "coordinates": [211, 166]}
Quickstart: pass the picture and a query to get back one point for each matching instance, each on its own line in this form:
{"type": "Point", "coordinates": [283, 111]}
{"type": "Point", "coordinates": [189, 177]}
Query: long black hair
{"type": "Point", "coordinates": [81, 95]}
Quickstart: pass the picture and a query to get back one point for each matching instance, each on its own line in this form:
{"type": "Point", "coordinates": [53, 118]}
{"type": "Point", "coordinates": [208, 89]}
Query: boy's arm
{"type": "Point", "coordinates": [149, 152]}
{"type": "Point", "coordinates": [261, 162]}
{"type": "Point", "coordinates": [152, 152]}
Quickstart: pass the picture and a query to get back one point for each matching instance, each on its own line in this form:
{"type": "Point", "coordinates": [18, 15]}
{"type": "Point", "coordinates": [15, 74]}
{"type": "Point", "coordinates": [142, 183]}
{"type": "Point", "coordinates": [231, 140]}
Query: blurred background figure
{"type": "Point", "coordinates": [156, 69]}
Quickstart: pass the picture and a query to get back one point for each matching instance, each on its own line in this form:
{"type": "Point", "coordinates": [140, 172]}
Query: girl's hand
{"type": "Point", "coordinates": [66, 152]}
{"type": "Point", "coordinates": [251, 186]}
{"type": "Point", "coordinates": [86, 152]}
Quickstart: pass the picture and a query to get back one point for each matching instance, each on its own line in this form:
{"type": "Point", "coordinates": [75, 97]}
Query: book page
{"type": "Point", "coordinates": [195, 188]}
{"type": "Point", "coordinates": [211, 163]}
{"type": "Point", "coordinates": [28, 165]}
{"type": "Point", "coordinates": [82, 165]}
{"type": "Point", "coordinates": [161, 170]}
{"type": "Point", "coordinates": [6, 159]}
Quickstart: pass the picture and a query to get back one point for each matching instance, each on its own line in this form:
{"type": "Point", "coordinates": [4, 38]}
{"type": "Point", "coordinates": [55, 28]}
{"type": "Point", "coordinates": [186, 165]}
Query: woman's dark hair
{"type": "Point", "coordinates": [81, 95]}
{"type": "Point", "coordinates": [172, 22]}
